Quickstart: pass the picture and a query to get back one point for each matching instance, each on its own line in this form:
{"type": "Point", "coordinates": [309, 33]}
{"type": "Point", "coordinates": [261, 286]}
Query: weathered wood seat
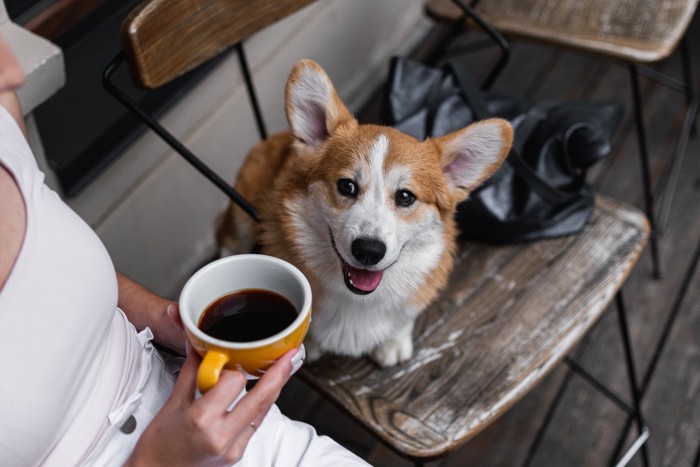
{"type": "Point", "coordinates": [639, 31]}
{"type": "Point", "coordinates": [509, 315]}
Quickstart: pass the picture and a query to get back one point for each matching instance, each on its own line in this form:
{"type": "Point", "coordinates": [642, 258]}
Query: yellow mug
{"type": "Point", "coordinates": [232, 274]}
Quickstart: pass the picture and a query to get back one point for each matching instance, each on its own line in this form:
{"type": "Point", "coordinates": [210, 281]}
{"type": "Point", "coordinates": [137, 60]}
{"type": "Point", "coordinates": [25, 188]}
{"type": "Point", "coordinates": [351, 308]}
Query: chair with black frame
{"type": "Point", "coordinates": [509, 315]}
{"type": "Point", "coordinates": [636, 33]}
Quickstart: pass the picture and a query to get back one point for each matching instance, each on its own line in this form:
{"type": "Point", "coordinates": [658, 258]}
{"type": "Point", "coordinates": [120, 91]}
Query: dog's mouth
{"type": "Point", "coordinates": [361, 281]}
{"type": "Point", "coordinates": [358, 281]}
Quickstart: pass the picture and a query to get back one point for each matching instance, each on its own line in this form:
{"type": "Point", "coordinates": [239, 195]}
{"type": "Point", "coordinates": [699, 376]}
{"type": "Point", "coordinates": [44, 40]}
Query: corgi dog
{"type": "Point", "coordinates": [366, 212]}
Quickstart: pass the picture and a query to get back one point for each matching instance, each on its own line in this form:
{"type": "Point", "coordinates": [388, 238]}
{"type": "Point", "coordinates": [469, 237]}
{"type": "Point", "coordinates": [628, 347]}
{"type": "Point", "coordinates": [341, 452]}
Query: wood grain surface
{"type": "Point", "coordinates": [163, 39]}
{"type": "Point", "coordinates": [563, 421]}
{"type": "Point", "coordinates": [633, 30]}
{"type": "Point", "coordinates": [509, 315]}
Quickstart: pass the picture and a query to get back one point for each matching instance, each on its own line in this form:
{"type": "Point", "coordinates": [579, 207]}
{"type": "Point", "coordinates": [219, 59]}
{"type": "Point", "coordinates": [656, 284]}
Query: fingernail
{"type": "Point", "coordinates": [298, 359]}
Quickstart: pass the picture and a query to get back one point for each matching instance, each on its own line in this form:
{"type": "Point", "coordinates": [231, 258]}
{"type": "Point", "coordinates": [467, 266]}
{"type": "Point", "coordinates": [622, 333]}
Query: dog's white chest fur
{"type": "Point", "coordinates": [356, 327]}
{"type": "Point", "coordinates": [350, 324]}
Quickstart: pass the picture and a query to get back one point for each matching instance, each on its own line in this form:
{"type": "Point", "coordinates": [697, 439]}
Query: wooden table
{"type": "Point", "coordinates": [508, 316]}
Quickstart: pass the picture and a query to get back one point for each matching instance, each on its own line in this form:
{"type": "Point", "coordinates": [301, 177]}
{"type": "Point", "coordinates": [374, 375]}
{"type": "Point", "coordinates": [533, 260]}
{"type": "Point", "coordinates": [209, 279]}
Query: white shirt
{"type": "Point", "coordinates": [70, 357]}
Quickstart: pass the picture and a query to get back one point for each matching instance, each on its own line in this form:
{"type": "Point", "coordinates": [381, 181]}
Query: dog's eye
{"type": "Point", "coordinates": [404, 198]}
{"type": "Point", "coordinates": [347, 187]}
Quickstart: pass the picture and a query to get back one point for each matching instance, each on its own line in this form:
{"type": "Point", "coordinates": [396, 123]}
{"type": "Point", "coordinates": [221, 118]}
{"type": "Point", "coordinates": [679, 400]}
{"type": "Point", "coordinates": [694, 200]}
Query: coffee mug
{"type": "Point", "coordinates": [235, 274]}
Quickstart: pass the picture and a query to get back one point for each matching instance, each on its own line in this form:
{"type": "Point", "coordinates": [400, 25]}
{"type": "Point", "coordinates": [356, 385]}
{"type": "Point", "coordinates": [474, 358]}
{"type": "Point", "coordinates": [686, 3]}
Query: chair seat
{"type": "Point", "coordinates": [508, 316]}
{"type": "Point", "coordinates": [639, 31]}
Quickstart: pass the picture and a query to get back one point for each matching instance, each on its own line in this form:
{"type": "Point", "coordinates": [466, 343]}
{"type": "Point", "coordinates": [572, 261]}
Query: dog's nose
{"type": "Point", "coordinates": [368, 251]}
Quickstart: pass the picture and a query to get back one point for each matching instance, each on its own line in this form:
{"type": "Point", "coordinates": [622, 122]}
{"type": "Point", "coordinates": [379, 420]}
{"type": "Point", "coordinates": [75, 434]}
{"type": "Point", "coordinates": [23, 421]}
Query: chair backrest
{"type": "Point", "coordinates": [163, 39]}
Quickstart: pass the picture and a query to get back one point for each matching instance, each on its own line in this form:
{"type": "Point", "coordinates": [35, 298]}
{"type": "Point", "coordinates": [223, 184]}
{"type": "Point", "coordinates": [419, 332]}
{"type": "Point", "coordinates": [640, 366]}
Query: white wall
{"type": "Point", "coordinates": [154, 212]}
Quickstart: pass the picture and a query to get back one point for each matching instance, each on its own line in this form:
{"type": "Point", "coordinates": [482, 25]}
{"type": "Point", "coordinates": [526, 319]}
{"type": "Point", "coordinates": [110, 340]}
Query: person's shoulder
{"type": "Point", "coordinates": [11, 105]}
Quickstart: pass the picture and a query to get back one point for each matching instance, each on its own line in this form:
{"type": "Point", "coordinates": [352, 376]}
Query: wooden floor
{"type": "Point", "coordinates": [564, 422]}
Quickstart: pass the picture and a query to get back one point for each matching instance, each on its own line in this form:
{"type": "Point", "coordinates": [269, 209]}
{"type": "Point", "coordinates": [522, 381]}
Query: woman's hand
{"type": "Point", "coordinates": [172, 334]}
{"type": "Point", "coordinates": [189, 431]}
{"type": "Point", "coordinates": [146, 309]}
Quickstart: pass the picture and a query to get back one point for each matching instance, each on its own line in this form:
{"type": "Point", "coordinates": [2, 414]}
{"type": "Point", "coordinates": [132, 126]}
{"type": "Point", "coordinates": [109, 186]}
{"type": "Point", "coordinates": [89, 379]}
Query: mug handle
{"type": "Point", "coordinates": [210, 369]}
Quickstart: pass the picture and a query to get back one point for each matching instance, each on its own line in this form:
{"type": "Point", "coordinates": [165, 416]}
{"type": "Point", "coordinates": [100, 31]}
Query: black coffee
{"type": "Point", "coordinates": [247, 315]}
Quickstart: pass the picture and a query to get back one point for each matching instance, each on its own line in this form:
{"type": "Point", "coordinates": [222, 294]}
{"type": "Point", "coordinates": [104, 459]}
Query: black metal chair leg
{"type": "Point", "coordinates": [646, 172]}
{"type": "Point", "coordinates": [687, 129]}
{"type": "Point", "coordinates": [634, 409]}
{"type": "Point", "coordinates": [674, 171]}
{"type": "Point", "coordinates": [688, 79]}
{"type": "Point", "coordinates": [171, 140]}
{"type": "Point", "coordinates": [250, 87]}
{"type": "Point", "coordinates": [640, 441]}
{"type": "Point", "coordinates": [631, 372]}
{"type": "Point", "coordinates": [541, 432]}
{"type": "Point", "coordinates": [493, 34]}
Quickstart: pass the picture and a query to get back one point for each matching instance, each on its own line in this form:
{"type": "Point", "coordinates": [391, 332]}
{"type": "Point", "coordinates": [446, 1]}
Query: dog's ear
{"type": "Point", "coordinates": [470, 155]}
{"type": "Point", "coordinates": [314, 110]}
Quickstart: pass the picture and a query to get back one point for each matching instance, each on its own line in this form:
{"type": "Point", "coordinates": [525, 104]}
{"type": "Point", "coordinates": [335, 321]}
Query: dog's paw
{"type": "Point", "coordinates": [394, 351]}
{"type": "Point", "coordinates": [313, 352]}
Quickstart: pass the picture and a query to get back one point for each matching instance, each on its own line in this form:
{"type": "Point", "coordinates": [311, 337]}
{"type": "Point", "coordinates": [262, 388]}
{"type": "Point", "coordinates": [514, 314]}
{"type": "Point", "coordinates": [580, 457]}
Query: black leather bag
{"type": "Point", "coordinates": [541, 190]}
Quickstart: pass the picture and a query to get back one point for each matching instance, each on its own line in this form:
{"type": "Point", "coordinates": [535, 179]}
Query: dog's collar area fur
{"type": "Point", "coordinates": [358, 281]}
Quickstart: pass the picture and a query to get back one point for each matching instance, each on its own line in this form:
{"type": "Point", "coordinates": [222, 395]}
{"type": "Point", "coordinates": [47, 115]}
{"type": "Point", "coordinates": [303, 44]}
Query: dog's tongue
{"type": "Point", "coordinates": [365, 280]}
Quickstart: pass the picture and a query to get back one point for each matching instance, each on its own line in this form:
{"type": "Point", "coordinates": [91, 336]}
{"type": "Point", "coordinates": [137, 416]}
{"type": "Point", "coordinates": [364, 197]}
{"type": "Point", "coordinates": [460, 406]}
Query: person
{"type": "Point", "coordinates": [81, 381]}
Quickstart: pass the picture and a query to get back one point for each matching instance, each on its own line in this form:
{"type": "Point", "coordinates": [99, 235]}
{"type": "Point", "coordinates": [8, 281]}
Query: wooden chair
{"type": "Point", "coordinates": [637, 33]}
{"type": "Point", "coordinates": [509, 314]}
